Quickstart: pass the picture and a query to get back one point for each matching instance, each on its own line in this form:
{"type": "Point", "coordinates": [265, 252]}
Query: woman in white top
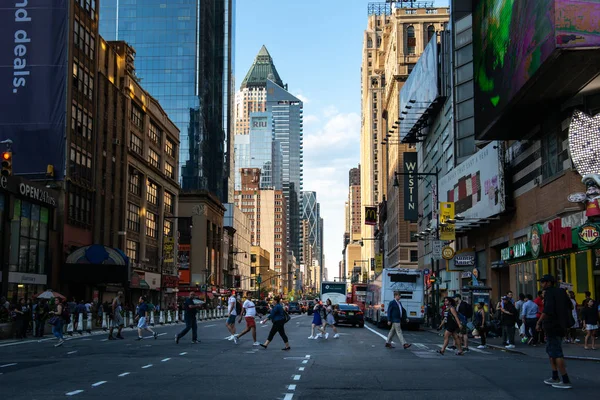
{"type": "Point", "coordinates": [572, 333]}
{"type": "Point", "coordinates": [330, 319]}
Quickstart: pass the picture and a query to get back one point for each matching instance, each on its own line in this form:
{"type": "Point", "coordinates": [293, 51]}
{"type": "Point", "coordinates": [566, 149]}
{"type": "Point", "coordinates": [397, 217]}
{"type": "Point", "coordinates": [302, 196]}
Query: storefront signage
{"type": "Point", "coordinates": [447, 253]}
{"type": "Point", "coordinates": [20, 277]}
{"type": "Point", "coordinates": [589, 234]}
{"type": "Point", "coordinates": [559, 238]}
{"type": "Point", "coordinates": [516, 251]}
{"type": "Point", "coordinates": [153, 280]}
{"type": "Point", "coordinates": [463, 260]}
{"type": "Point", "coordinates": [170, 281]}
{"type": "Point", "coordinates": [18, 186]}
{"type": "Point", "coordinates": [535, 238]}
{"type": "Point", "coordinates": [447, 230]}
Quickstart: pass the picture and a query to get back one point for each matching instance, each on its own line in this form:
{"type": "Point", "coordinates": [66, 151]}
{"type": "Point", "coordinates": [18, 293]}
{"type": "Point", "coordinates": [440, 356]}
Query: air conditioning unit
{"type": "Point", "coordinates": [117, 142]}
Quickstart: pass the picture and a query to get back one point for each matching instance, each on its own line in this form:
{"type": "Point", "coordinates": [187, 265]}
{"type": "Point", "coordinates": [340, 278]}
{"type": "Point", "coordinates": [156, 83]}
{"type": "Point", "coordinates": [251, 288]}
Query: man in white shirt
{"type": "Point", "coordinates": [232, 314]}
{"type": "Point", "coordinates": [249, 314]}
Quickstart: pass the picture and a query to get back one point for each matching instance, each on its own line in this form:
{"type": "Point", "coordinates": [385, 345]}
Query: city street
{"type": "Point", "coordinates": [354, 366]}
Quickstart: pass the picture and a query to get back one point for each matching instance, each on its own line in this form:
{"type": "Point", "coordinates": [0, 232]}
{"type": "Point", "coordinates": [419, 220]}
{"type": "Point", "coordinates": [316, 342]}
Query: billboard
{"type": "Point", "coordinates": [512, 39]}
{"type": "Point", "coordinates": [477, 185]}
{"type": "Point", "coordinates": [411, 194]}
{"type": "Point", "coordinates": [33, 83]}
{"type": "Point", "coordinates": [370, 215]}
{"type": "Point", "coordinates": [421, 88]}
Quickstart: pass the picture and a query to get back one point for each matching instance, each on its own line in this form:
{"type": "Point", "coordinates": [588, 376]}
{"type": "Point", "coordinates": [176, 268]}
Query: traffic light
{"type": "Point", "coordinates": [7, 163]}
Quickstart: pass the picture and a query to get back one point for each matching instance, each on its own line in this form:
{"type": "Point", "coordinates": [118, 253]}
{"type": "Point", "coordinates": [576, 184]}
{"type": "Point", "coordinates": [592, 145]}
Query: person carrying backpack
{"type": "Point", "coordinates": [508, 319]}
{"type": "Point", "coordinates": [465, 313]}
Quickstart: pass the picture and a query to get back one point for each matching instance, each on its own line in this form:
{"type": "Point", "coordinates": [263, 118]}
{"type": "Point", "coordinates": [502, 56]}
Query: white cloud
{"type": "Point", "coordinates": [302, 98]}
{"type": "Point", "coordinates": [310, 119]}
{"type": "Point", "coordinates": [339, 132]}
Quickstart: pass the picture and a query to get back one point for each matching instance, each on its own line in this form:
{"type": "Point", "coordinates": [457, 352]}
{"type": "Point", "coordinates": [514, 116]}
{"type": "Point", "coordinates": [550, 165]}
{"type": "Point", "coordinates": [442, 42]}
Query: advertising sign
{"type": "Point", "coordinates": [448, 231]}
{"type": "Point", "coordinates": [378, 263]}
{"type": "Point", "coordinates": [33, 83]}
{"type": "Point", "coordinates": [589, 234]}
{"type": "Point", "coordinates": [476, 186]}
{"type": "Point", "coordinates": [464, 260]}
{"type": "Point", "coordinates": [370, 215]}
{"type": "Point", "coordinates": [421, 87]}
{"type": "Point", "coordinates": [411, 197]}
{"type": "Point", "coordinates": [437, 249]}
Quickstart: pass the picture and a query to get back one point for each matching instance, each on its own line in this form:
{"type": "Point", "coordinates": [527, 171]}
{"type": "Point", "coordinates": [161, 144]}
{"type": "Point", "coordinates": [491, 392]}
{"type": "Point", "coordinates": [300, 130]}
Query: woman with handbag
{"type": "Point", "coordinates": [278, 317]}
{"type": "Point", "coordinates": [57, 320]}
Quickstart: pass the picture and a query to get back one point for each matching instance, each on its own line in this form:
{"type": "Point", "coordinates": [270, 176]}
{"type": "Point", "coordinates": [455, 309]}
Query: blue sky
{"type": "Point", "coordinates": [316, 46]}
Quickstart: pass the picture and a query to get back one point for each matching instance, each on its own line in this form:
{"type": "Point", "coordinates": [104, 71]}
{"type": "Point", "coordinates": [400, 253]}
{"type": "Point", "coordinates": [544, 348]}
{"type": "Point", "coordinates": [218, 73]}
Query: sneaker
{"type": "Point", "coordinates": [256, 344]}
{"type": "Point", "coordinates": [176, 339]}
{"type": "Point", "coordinates": [195, 341]}
{"type": "Point", "coordinates": [235, 340]}
{"type": "Point", "coordinates": [155, 335]}
{"type": "Point", "coordinates": [562, 385]}
{"type": "Point", "coordinates": [389, 345]}
{"type": "Point", "coordinates": [320, 335]}
{"type": "Point", "coordinates": [336, 336]}
{"type": "Point", "coordinates": [510, 346]}
{"type": "Point", "coordinates": [327, 336]}
{"type": "Point", "coordinates": [230, 338]}
{"type": "Point", "coordinates": [312, 337]}
{"type": "Point", "coordinates": [481, 346]}
{"type": "Point", "coordinates": [60, 343]}
{"type": "Point", "coordinates": [551, 381]}
{"type": "Point", "coordinates": [406, 345]}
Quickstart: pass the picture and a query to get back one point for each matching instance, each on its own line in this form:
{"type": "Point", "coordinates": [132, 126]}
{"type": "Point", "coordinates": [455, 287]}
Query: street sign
{"type": "Point", "coordinates": [448, 253]}
{"type": "Point", "coordinates": [437, 249]}
{"type": "Point", "coordinates": [426, 271]}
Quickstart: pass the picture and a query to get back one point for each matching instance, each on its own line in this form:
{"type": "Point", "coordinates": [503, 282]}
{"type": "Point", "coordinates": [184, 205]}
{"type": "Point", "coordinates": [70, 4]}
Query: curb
{"type": "Point", "coordinates": [501, 348]}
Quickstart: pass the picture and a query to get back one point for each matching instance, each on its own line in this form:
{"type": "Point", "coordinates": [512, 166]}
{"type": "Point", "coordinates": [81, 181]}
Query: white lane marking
{"type": "Point", "coordinates": [123, 374]}
{"type": "Point", "coordinates": [377, 333]}
{"type": "Point", "coordinates": [165, 360]}
{"type": "Point", "coordinates": [74, 392]}
{"type": "Point", "coordinates": [72, 352]}
{"type": "Point", "coordinates": [420, 346]}
{"type": "Point", "coordinates": [288, 396]}
{"type": "Point", "coordinates": [98, 383]}
{"type": "Point", "coordinates": [146, 366]}
{"type": "Point", "coordinates": [7, 365]}
{"type": "Point", "coordinates": [152, 337]}
{"type": "Point", "coordinates": [307, 356]}
{"type": "Point", "coordinates": [305, 362]}
{"type": "Point", "coordinates": [301, 369]}
{"type": "Point", "coordinates": [296, 377]}
{"type": "Point", "coordinates": [183, 354]}
{"type": "Point", "coordinates": [292, 387]}
{"type": "Point", "coordinates": [208, 326]}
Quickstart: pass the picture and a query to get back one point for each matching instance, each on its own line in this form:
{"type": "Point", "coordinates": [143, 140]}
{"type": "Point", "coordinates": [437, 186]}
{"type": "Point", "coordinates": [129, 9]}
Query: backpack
{"type": "Point", "coordinates": [238, 307]}
{"type": "Point", "coordinates": [462, 318]}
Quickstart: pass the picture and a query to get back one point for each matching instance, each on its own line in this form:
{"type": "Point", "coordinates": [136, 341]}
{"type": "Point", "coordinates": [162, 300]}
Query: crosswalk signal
{"type": "Point", "coordinates": [7, 163]}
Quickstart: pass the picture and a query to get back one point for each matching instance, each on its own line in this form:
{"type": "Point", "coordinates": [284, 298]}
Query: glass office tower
{"type": "Point", "coordinates": [184, 58]}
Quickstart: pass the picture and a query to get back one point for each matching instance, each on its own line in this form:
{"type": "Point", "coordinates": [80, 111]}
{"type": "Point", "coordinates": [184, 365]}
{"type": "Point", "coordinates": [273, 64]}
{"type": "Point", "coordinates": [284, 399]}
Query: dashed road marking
{"type": "Point", "coordinates": [296, 377]}
{"type": "Point", "coordinates": [305, 362]}
{"type": "Point", "coordinates": [74, 392]}
{"type": "Point", "coordinates": [72, 352]}
{"type": "Point", "coordinates": [7, 365]}
{"type": "Point", "coordinates": [165, 360]}
{"type": "Point", "coordinates": [98, 383]}
{"type": "Point", "coordinates": [146, 366]}
{"type": "Point", "coordinates": [123, 374]}
{"type": "Point", "coordinates": [104, 340]}
{"type": "Point", "coordinates": [208, 326]}
{"type": "Point", "coordinates": [307, 356]}
{"type": "Point", "coordinates": [288, 396]}
{"type": "Point", "coordinates": [301, 369]}
{"type": "Point", "coordinates": [292, 387]}
{"type": "Point", "coordinates": [183, 354]}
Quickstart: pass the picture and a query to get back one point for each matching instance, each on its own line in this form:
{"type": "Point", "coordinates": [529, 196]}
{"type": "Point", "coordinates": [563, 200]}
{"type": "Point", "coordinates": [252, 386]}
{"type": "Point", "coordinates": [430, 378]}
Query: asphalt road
{"type": "Point", "coordinates": [355, 366]}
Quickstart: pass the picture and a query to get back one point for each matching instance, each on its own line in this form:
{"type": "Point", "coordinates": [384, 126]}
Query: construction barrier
{"type": "Point", "coordinates": [161, 317]}
{"type": "Point", "coordinates": [104, 321]}
{"type": "Point", "coordinates": [88, 323]}
{"type": "Point", "coordinates": [152, 318]}
{"type": "Point", "coordinates": [169, 317]}
{"type": "Point", "coordinates": [130, 319]}
{"type": "Point", "coordinates": [80, 323]}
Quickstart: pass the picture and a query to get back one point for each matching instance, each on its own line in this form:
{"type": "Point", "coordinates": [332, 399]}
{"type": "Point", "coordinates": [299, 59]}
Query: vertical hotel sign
{"type": "Point", "coordinates": [447, 231]}
{"type": "Point", "coordinates": [33, 79]}
{"type": "Point", "coordinates": [411, 209]}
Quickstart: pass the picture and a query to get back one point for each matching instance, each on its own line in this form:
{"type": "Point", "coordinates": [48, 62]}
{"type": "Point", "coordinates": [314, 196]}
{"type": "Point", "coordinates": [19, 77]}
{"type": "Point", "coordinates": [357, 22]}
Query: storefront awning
{"type": "Point", "coordinates": [96, 264]}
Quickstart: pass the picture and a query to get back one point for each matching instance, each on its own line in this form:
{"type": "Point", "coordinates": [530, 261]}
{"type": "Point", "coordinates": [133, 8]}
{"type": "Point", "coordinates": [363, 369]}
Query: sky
{"type": "Point", "coordinates": [316, 46]}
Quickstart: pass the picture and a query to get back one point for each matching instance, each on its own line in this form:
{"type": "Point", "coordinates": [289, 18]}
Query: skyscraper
{"type": "Point", "coordinates": [185, 59]}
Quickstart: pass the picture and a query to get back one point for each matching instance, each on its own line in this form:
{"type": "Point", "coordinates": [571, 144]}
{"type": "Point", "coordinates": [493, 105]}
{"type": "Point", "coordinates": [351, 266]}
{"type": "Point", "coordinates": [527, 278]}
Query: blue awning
{"type": "Point", "coordinates": [99, 255]}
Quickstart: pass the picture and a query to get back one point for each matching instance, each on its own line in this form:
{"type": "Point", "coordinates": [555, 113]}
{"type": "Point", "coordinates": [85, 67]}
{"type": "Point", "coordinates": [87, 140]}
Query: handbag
{"type": "Point", "coordinates": [286, 317]}
{"type": "Point", "coordinates": [53, 321]}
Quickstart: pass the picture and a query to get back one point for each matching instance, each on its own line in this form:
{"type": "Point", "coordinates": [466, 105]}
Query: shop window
{"type": "Point", "coordinates": [29, 235]}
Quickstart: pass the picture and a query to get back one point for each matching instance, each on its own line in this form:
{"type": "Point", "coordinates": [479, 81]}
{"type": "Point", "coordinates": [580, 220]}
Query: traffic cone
{"type": "Point", "coordinates": [88, 325]}
{"type": "Point", "coordinates": [152, 318]}
{"type": "Point", "coordinates": [169, 318]}
{"type": "Point", "coordinates": [161, 317]}
{"type": "Point", "coordinates": [104, 321]}
{"type": "Point", "coordinates": [80, 324]}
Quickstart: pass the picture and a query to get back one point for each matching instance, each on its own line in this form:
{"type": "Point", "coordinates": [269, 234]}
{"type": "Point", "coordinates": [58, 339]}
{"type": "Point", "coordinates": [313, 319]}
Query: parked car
{"type": "Point", "coordinates": [349, 314]}
{"type": "Point", "coordinates": [310, 307]}
{"type": "Point", "coordinates": [294, 308]}
{"type": "Point", "coordinates": [262, 307]}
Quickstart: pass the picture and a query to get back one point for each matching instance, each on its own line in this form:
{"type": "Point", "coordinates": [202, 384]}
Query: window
{"type": "Point", "coordinates": [135, 186]}
{"type": "Point", "coordinates": [29, 234]}
{"type": "Point", "coordinates": [414, 256]}
{"type": "Point", "coordinates": [168, 202]}
{"type": "Point", "coordinates": [80, 207]}
{"type": "Point", "coordinates": [132, 250]}
{"type": "Point", "coordinates": [168, 227]}
{"type": "Point", "coordinates": [136, 144]}
{"type": "Point", "coordinates": [151, 229]}
{"type": "Point", "coordinates": [152, 192]}
{"type": "Point", "coordinates": [170, 148]}
{"type": "Point", "coordinates": [169, 171]}
{"type": "Point", "coordinates": [553, 154]}
{"type": "Point", "coordinates": [133, 217]}
{"type": "Point", "coordinates": [81, 163]}
{"type": "Point", "coordinates": [137, 117]}
{"type": "Point", "coordinates": [430, 32]}
{"type": "Point", "coordinates": [411, 40]}
{"type": "Point", "coordinates": [154, 133]}
{"type": "Point", "coordinates": [153, 158]}
{"type": "Point", "coordinates": [413, 237]}
{"type": "Point", "coordinates": [82, 122]}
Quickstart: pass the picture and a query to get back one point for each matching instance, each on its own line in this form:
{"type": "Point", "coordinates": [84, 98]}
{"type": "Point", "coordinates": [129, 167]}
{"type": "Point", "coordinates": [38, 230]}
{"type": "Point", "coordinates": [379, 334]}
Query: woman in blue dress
{"type": "Point", "coordinates": [317, 321]}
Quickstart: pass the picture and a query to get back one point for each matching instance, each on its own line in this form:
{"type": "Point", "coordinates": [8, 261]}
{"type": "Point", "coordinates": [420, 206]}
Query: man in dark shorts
{"type": "Point", "coordinates": [555, 321]}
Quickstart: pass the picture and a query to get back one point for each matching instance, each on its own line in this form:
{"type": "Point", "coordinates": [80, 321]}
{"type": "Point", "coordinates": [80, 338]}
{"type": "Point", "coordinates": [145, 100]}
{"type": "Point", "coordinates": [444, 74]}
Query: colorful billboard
{"type": "Point", "coordinates": [477, 185]}
{"type": "Point", "coordinates": [512, 39]}
{"type": "Point", "coordinates": [33, 83]}
{"type": "Point", "coordinates": [421, 88]}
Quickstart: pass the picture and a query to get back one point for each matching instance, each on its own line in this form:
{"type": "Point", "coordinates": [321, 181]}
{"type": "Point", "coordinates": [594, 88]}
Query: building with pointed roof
{"type": "Point", "coordinates": [261, 70]}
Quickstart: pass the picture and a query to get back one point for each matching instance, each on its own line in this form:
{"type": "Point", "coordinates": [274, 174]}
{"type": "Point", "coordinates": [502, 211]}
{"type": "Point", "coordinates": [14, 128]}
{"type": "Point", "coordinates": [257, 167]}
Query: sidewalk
{"type": "Point", "coordinates": [572, 351]}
